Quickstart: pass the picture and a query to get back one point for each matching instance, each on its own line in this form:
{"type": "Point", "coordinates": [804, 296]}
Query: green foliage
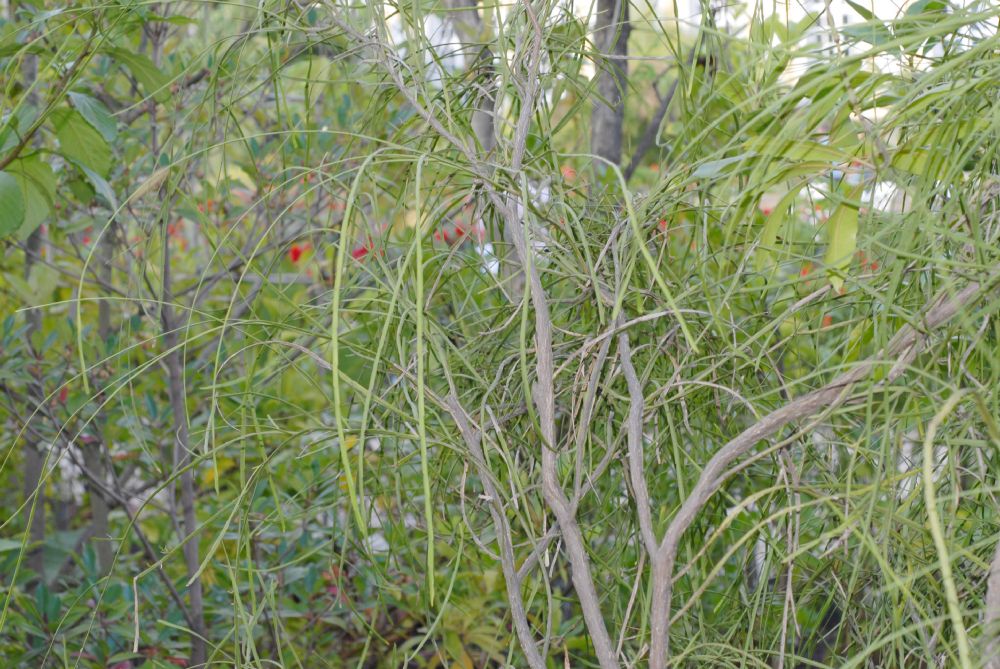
{"type": "Point", "coordinates": [301, 185]}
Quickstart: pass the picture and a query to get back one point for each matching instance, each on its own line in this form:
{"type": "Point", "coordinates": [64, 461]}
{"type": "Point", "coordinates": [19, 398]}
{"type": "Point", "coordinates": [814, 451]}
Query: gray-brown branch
{"type": "Point", "coordinates": [908, 342]}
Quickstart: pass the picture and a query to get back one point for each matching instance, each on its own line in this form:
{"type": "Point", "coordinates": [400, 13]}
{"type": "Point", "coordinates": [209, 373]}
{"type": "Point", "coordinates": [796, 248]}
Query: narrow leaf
{"type": "Point", "coordinates": [774, 222]}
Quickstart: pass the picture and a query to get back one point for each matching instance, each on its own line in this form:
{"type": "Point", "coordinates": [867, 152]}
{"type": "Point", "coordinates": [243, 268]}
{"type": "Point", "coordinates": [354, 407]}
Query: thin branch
{"type": "Point", "coordinates": [652, 131]}
{"type": "Point", "coordinates": [909, 341]}
{"type": "Point", "coordinates": [636, 467]}
{"type": "Point", "coordinates": [504, 537]}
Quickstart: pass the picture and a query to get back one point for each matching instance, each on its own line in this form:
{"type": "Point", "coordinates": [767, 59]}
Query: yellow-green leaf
{"type": "Point", "coordinates": [842, 238]}
{"type": "Point", "coordinates": [773, 223]}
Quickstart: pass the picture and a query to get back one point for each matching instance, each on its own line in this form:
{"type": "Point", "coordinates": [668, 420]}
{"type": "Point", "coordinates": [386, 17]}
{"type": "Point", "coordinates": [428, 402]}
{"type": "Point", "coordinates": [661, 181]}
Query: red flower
{"type": "Point", "coordinates": [295, 253]}
{"type": "Point", "coordinates": [63, 394]}
{"type": "Point", "coordinates": [827, 321]}
{"type": "Point", "coordinates": [806, 269]}
{"type": "Point", "coordinates": [873, 266]}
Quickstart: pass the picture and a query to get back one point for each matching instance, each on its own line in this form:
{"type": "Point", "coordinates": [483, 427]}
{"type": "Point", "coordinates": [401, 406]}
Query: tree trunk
{"type": "Point", "coordinates": [92, 456]}
{"type": "Point", "coordinates": [34, 459]}
{"type": "Point", "coordinates": [182, 454]}
{"type": "Point", "coordinates": [469, 26]}
{"type": "Point", "coordinates": [611, 40]}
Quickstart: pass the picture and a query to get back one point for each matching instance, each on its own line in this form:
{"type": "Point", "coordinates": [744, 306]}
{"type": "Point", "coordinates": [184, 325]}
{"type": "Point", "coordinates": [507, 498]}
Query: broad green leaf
{"type": "Point", "coordinates": [842, 237]}
{"type": "Point", "coordinates": [80, 143]}
{"type": "Point", "coordinates": [14, 125]}
{"type": "Point", "coordinates": [81, 190]}
{"type": "Point", "coordinates": [153, 81]}
{"type": "Point", "coordinates": [38, 188]}
{"type": "Point", "coordinates": [101, 187]}
{"type": "Point", "coordinates": [96, 114]}
{"type": "Point", "coordinates": [11, 204]}
{"type": "Point", "coordinates": [9, 545]}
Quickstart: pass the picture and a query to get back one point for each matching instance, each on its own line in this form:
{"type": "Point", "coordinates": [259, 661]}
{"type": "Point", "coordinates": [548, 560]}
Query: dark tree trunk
{"type": "Point", "coordinates": [34, 458]}
{"type": "Point", "coordinates": [611, 32]}
{"type": "Point", "coordinates": [92, 455]}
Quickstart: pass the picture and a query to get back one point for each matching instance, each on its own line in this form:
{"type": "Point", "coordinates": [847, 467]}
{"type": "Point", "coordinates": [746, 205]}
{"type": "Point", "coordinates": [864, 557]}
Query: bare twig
{"type": "Point", "coordinates": [504, 538]}
{"type": "Point", "coordinates": [636, 466]}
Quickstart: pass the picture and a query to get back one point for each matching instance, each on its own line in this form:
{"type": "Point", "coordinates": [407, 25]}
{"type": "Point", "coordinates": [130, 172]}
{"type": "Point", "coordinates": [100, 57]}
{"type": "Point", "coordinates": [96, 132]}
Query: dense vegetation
{"type": "Point", "coordinates": [465, 334]}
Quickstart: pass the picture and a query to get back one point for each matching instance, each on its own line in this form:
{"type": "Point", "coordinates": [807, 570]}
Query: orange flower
{"type": "Point", "coordinates": [827, 321]}
{"type": "Point", "coordinates": [806, 269]}
{"type": "Point", "coordinates": [568, 172]}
